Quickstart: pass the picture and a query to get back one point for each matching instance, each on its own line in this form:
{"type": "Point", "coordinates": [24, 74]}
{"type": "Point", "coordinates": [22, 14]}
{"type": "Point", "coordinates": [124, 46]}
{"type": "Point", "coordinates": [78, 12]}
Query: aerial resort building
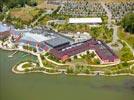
{"type": "Point", "coordinates": [62, 47]}
{"type": "Point", "coordinates": [92, 21]}
{"type": "Point", "coordinates": [102, 51]}
{"type": "Point", "coordinates": [42, 42]}
{"type": "Point", "coordinates": [4, 31]}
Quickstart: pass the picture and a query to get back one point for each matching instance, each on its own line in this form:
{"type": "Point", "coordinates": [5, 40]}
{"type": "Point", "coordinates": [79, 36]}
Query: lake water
{"type": "Point", "coordinates": [39, 86]}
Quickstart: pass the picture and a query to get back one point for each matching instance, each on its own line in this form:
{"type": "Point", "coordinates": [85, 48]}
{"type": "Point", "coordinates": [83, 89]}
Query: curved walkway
{"type": "Point", "coordinates": [109, 14]}
{"type": "Point", "coordinates": [56, 63]}
{"type": "Point", "coordinates": [64, 70]}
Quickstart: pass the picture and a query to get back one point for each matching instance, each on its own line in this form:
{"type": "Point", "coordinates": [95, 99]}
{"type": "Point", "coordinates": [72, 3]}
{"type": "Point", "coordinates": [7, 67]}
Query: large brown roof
{"type": "Point", "coordinates": [102, 50]}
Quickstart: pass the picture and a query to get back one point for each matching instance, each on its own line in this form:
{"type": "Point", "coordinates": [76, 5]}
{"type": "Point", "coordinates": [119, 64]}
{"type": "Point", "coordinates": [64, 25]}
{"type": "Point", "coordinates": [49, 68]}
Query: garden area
{"type": "Point", "coordinates": [102, 33]}
{"type": "Point", "coordinates": [84, 60]}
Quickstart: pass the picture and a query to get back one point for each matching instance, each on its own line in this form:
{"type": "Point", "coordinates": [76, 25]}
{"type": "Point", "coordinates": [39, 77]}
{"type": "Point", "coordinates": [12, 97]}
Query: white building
{"type": "Point", "coordinates": [85, 20]}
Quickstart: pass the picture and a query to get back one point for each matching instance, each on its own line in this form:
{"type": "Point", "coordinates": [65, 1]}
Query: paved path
{"type": "Point", "coordinates": [41, 16]}
{"type": "Point", "coordinates": [40, 60]}
{"type": "Point", "coordinates": [41, 63]}
{"type": "Point", "coordinates": [62, 5]}
{"type": "Point", "coordinates": [109, 14]}
{"type": "Point", "coordinates": [115, 28]}
{"type": "Point", "coordinates": [115, 34]}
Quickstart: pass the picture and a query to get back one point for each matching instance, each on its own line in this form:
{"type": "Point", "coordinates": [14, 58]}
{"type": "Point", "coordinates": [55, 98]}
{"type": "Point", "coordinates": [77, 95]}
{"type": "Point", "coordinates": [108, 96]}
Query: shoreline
{"type": "Point", "coordinates": [71, 74]}
{"type": "Point", "coordinates": [60, 72]}
{"type": "Point", "coordinates": [23, 72]}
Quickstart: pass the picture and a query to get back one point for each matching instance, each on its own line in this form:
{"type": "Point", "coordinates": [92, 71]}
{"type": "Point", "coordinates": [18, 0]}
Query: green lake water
{"type": "Point", "coordinates": [39, 86]}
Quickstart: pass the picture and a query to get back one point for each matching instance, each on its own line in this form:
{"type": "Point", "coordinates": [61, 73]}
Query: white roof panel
{"type": "Point", "coordinates": [36, 37]}
{"type": "Point", "coordinates": [85, 20]}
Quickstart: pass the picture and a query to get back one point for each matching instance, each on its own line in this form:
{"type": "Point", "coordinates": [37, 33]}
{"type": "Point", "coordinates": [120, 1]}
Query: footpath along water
{"type": "Point", "coordinates": [39, 86]}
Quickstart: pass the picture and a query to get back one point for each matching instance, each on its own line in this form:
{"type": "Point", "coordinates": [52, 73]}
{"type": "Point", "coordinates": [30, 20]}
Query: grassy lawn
{"type": "Point", "coordinates": [27, 65]}
{"type": "Point", "coordinates": [85, 60]}
{"type": "Point", "coordinates": [119, 69]}
{"type": "Point", "coordinates": [53, 17]}
{"type": "Point", "coordinates": [48, 64]}
{"type": "Point", "coordinates": [25, 14]}
{"type": "Point", "coordinates": [127, 37]}
{"type": "Point", "coordinates": [126, 54]}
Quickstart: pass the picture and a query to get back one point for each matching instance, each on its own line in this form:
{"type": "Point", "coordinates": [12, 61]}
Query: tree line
{"type": "Point", "coordinates": [128, 23]}
{"type": "Point", "coordinates": [16, 3]}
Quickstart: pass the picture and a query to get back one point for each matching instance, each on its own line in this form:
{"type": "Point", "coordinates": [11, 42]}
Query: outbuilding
{"type": "Point", "coordinates": [85, 20]}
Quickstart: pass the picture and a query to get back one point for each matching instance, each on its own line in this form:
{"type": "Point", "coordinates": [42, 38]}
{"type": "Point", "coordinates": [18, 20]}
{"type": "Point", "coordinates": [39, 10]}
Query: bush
{"type": "Point", "coordinates": [96, 61]}
{"type": "Point", "coordinates": [87, 71]}
{"type": "Point", "coordinates": [1, 17]}
{"type": "Point", "coordinates": [70, 70]}
{"type": "Point", "coordinates": [17, 3]}
{"type": "Point", "coordinates": [107, 72]}
{"type": "Point", "coordinates": [75, 57]}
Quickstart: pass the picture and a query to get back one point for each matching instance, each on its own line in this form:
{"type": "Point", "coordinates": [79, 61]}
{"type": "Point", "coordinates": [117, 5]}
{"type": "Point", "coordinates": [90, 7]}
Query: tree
{"type": "Point", "coordinates": [125, 64]}
{"type": "Point", "coordinates": [93, 55]}
{"type": "Point", "coordinates": [75, 57]}
{"type": "Point", "coordinates": [96, 61]}
{"type": "Point", "coordinates": [128, 23]}
{"type": "Point", "coordinates": [17, 3]}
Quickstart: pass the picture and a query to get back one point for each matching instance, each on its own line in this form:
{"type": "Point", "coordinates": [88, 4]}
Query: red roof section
{"type": "Point", "coordinates": [101, 49]}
